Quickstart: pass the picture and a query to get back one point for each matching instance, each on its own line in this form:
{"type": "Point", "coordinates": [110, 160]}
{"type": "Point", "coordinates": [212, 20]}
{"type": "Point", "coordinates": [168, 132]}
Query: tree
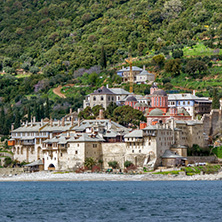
{"type": "Point", "coordinates": [158, 60]}
{"type": "Point", "coordinates": [127, 116]}
{"type": "Point", "coordinates": [93, 78]}
{"type": "Point", "coordinates": [195, 65]}
{"type": "Point", "coordinates": [103, 61]}
{"type": "Point", "coordinates": [177, 54]}
{"type": "Point", "coordinates": [89, 162]}
{"type": "Point", "coordinates": [86, 113]}
{"type": "Point", "coordinates": [96, 109]}
{"type": "Point", "coordinates": [173, 66]}
{"type": "Point", "coordinates": [216, 100]}
{"type": "Point", "coordinates": [17, 119]}
{"type": "Point", "coordinates": [113, 164]}
{"type": "Point", "coordinates": [111, 107]}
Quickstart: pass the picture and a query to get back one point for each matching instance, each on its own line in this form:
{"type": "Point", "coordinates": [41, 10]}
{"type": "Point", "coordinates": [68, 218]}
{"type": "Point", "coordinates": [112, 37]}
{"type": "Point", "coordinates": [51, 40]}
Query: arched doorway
{"type": "Point", "coordinates": [51, 167]}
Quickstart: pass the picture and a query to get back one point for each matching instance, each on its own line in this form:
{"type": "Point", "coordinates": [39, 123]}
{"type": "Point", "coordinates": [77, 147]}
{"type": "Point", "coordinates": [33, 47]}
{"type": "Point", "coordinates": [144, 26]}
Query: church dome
{"type": "Point", "coordinates": [159, 92]}
{"type": "Point", "coordinates": [156, 112]}
{"type": "Point", "coordinates": [131, 99]}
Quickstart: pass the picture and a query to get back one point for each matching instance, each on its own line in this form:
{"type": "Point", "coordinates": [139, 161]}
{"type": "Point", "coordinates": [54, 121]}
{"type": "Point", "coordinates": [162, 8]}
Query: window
{"type": "Point", "coordinates": [108, 98]}
{"type": "Point", "coordinates": [76, 152]}
{"type": "Point", "coordinates": [77, 145]}
{"type": "Point", "coordinates": [178, 103]}
{"type": "Point", "coordinates": [101, 98]}
{"type": "Point", "coordinates": [112, 98]}
{"type": "Point", "coordinates": [60, 154]}
{"type": "Point", "coordinates": [160, 102]}
{"type": "Point", "coordinates": [183, 103]}
{"type": "Point", "coordinates": [188, 102]}
{"type": "Point", "coordinates": [94, 98]}
{"type": "Point", "coordinates": [139, 151]}
{"type": "Point", "coordinates": [54, 158]}
{"type": "Point", "coordinates": [132, 151]}
{"type": "Point", "coordinates": [94, 145]}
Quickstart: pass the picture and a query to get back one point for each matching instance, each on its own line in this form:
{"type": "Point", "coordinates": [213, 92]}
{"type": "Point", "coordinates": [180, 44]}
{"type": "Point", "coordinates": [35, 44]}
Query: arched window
{"type": "Point", "coordinates": [160, 101]}
{"type": "Point", "coordinates": [101, 98]}
{"type": "Point", "coordinates": [108, 98]}
{"type": "Point", "coordinates": [94, 98]}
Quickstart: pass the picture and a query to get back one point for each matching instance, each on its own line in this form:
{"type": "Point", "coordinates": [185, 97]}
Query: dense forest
{"type": "Point", "coordinates": [82, 42]}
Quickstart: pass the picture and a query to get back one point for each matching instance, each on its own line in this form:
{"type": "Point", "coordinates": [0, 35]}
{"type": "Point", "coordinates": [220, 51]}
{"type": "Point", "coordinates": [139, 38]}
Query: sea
{"type": "Point", "coordinates": [111, 201]}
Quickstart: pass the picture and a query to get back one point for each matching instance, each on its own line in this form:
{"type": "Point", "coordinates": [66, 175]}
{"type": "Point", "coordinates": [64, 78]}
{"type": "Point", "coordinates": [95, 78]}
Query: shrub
{"type": "Point", "coordinates": [127, 163]}
{"type": "Point", "coordinates": [113, 164]}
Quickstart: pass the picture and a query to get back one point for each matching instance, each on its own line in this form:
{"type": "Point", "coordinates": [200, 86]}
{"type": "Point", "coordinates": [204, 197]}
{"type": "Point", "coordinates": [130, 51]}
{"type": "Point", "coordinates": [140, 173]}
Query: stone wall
{"type": "Point", "coordinates": [12, 171]}
{"type": "Point", "coordinates": [202, 159]}
{"type": "Point", "coordinates": [212, 122]}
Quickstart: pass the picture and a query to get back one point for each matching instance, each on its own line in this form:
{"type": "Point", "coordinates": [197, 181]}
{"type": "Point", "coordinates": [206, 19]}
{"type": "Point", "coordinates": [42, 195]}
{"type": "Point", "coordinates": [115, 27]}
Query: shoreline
{"type": "Point", "coordinates": [52, 176]}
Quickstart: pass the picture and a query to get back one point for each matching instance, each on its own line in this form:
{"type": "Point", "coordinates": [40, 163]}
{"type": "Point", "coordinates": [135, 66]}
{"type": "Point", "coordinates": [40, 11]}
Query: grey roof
{"type": "Point", "coordinates": [34, 127]}
{"type": "Point", "coordinates": [135, 133]}
{"type": "Point", "coordinates": [159, 92]}
{"type": "Point", "coordinates": [150, 127]}
{"type": "Point", "coordinates": [131, 98]}
{"type": "Point", "coordinates": [170, 154]}
{"type": "Point", "coordinates": [110, 134]}
{"type": "Point", "coordinates": [141, 105]}
{"type": "Point", "coordinates": [86, 138]}
{"type": "Point", "coordinates": [102, 90]}
{"type": "Point", "coordinates": [55, 127]}
{"type": "Point", "coordinates": [145, 73]}
{"type": "Point", "coordinates": [119, 91]}
{"type": "Point", "coordinates": [35, 163]}
{"type": "Point", "coordinates": [189, 122]}
{"type": "Point", "coordinates": [185, 96]}
{"type": "Point", "coordinates": [127, 69]}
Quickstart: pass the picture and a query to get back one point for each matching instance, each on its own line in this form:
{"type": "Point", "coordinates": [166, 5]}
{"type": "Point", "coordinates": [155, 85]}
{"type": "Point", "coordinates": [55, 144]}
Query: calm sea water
{"type": "Point", "coordinates": [111, 201]}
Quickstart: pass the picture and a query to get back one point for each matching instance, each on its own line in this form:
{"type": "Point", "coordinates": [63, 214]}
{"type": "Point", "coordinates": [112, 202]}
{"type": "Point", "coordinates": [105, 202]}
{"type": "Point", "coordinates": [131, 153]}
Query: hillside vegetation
{"type": "Point", "coordinates": [65, 42]}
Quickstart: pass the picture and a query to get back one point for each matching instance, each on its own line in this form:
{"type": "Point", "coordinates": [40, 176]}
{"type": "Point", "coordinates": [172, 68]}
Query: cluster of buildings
{"type": "Point", "coordinates": [139, 75]}
{"type": "Point", "coordinates": [171, 128]}
{"type": "Point", "coordinates": [156, 105]}
{"type": "Point", "coordinates": [66, 144]}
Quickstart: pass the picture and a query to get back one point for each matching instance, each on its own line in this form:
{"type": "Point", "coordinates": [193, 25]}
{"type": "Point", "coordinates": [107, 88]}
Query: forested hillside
{"type": "Point", "coordinates": [44, 44]}
{"type": "Point", "coordinates": [61, 36]}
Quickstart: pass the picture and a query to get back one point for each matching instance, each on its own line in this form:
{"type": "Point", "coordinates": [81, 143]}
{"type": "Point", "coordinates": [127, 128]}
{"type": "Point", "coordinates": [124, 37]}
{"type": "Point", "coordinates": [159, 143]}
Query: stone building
{"type": "Point", "coordinates": [124, 73]}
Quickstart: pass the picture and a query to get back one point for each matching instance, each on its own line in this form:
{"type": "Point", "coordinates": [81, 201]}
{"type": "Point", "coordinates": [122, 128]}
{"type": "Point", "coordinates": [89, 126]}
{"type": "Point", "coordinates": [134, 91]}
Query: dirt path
{"type": "Point", "coordinates": [57, 91]}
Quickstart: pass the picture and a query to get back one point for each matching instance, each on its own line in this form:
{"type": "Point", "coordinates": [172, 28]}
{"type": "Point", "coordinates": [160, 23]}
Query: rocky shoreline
{"type": "Point", "coordinates": [52, 176]}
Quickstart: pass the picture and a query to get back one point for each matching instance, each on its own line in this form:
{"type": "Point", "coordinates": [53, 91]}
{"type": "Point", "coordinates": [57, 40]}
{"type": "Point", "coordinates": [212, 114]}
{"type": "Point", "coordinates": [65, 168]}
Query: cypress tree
{"type": "Point", "coordinates": [29, 114]}
{"type": "Point", "coordinates": [216, 100]}
{"type": "Point", "coordinates": [103, 61]}
{"type": "Point", "coordinates": [2, 120]}
{"type": "Point", "coordinates": [17, 119]}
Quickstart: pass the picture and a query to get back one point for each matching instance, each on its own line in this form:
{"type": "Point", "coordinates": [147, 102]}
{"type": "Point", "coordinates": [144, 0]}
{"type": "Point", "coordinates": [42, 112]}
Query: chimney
{"type": "Point", "coordinates": [26, 123]}
{"type": "Point", "coordinates": [194, 92]}
{"type": "Point", "coordinates": [42, 123]}
{"type": "Point", "coordinates": [59, 122]}
{"type": "Point", "coordinates": [34, 119]}
{"type": "Point", "coordinates": [32, 122]}
{"type": "Point", "coordinates": [107, 86]}
{"type": "Point", "coordinates": [12, 127]}
{"type": "Point", "coordinates": [101, 116]}
{"type": "Point", "coordinates": [70, 110]}
{"type": "Point", "coordinates": [63, 121]}
{"type": "Point", "coordinates": [51, 122]}
{"type": "Point", "coordinates": [144, 67]}
{"type": "Point", "coordinates": [122, 67]}
{"type": "Point", "coordinates": [78, 121]}
{"type": "Point", "coordinates": [72, 121]}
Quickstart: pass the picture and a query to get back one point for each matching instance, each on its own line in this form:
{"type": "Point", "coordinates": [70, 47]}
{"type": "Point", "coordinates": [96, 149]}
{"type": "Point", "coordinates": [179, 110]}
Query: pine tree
{"type": "Point", "coordinates": [17, 119]}
{"type": "Point", "coordinates": [216, 100]}
{"type": "Point", "coordinates": [41, 112]}
{"type": "Point", "coordinates": [103, 61]}
{"type": "Point", "coordinates": [29, 114]}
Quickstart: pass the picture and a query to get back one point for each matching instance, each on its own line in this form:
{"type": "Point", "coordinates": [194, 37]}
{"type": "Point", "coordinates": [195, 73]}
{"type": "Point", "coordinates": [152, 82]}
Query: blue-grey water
{"type": "Point", "coordinates": [111, 201]}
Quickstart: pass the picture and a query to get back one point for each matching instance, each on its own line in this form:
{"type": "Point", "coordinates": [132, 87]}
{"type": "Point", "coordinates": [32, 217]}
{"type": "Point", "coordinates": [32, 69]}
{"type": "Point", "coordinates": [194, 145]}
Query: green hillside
{"type": "Point", "coordinates": [60, 43]}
